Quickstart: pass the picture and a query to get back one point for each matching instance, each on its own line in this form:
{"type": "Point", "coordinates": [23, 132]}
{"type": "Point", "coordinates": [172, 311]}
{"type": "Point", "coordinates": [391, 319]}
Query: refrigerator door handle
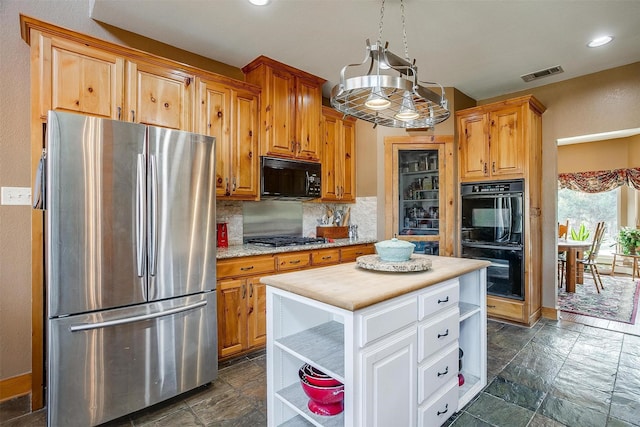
{"type": "Point", "coordinates": [98, 325]}
{"type": "Point", "coordinates": [153, 218]}
{"type": "Point", "coordinates": [140, 215]}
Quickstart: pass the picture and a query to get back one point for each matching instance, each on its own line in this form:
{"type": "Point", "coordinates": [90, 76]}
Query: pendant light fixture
{"type": "Point", "coordinates": [389, 94]}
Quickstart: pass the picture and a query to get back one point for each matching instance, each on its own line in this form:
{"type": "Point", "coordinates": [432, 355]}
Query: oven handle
{"type": "Point", "coordinates": [491, 195]}
{"type": "Point", "coordinates": [496, 247]}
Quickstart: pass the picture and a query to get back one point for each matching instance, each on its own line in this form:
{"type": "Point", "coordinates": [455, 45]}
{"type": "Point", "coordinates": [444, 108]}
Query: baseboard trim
{"type": "Point", "coordinates": [550, 313]}
{"type": "Point", "coordinates": [15, 387]}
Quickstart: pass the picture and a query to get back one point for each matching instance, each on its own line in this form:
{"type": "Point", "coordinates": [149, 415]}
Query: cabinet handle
{"type": "Point", "coordinates": [251, 290]}
{"type": "Point", "coordinates": [295, 261]}
{"type": "Point", "coordinates": [326, 257]}
{"type": "Point", "coordinates": [485, 167]}
{"type": "Point", "coordinates": [234, 184]}
{"type": "Point", "coordinates": [226, 191]}
{"type": "Point", "coordinates": [446, 333]}
{"type": "Point", "coordinates": [293, 146]}
{"type": "Point", "coordinates": [491, 306]}
{"type": "Point", "coordinates": [119, 112]}
{"type": "Point", "coordinates": [246, 268]}
{"type": "Point", "coordinates": [244, 291]}
{"type": "Point", "coordinates": [446, 409]}
{"type": "Point", "coordinates": [446, 371]}
{"type": "Point", "coordinates": [493, 167]}
{"type": "Point", "coordinates": [440, 301]}
{"type": "Point", "coordinates": [133, 116]}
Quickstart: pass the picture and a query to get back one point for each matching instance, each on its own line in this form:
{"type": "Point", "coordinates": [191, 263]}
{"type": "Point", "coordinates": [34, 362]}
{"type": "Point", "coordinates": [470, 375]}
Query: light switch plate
{"type": "Point", "coordinates": [16, 195]}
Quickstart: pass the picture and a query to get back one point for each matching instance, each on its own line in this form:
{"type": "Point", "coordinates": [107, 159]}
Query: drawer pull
{"type": "Point", "coordinates": [326, 257]}
{"type": "Point", "coordinates": [491, 306]}
{"type": "Point", "coordinates": [440, 301]}
{"type": "Point", "coordinates": [446, 371]}
{"type": "Point", "coordinates": [246, 268]}
{"type": "Point", "coordinates": [295, 261]}
{"type": "Point", "coordinates": [446, 409]}
{"type": "Point", "coordinates": [446, 333]}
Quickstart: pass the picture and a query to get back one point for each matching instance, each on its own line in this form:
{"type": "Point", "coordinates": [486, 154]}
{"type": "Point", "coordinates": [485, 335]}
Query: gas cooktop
{"type": "Point", "coordinates": [284, 240]}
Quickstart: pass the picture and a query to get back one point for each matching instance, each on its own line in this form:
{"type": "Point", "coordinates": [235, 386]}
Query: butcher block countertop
{"type": "Point", "coordinates": [352, 288]}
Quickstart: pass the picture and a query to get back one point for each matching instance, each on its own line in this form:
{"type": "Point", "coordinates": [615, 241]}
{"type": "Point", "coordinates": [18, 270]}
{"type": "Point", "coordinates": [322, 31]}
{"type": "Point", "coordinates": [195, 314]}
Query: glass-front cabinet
{"type": "Point", "coordinates": [419, 204]}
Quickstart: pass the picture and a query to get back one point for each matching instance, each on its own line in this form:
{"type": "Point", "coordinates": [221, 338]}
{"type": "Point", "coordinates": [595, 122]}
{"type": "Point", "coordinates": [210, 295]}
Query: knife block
{"type": "Point", "coordinates": [333, 232]}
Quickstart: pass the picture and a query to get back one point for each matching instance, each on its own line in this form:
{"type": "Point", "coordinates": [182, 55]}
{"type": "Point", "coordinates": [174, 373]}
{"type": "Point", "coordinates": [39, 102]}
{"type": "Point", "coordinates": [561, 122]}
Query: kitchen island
{"type": "Point", "coordinates": [393, 339]}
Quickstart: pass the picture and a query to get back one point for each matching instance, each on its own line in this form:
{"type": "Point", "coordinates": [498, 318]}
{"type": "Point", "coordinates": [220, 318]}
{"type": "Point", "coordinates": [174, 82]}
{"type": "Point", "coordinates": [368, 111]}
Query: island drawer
{"type": "Point", "coordinates": [378, 322]}
{"type": "Point", "coordinates": [437, 371]}
{"type": "Point", "coordinates": [247, 266]}
{"type": "Point", "coordinates": [440, 408]}
{"type": "Point", "coordinates": [438, 333]}
{"type": "Point", "coordinates": [443, 296]}
{"type": "Point", "coordinates": [293, 261]}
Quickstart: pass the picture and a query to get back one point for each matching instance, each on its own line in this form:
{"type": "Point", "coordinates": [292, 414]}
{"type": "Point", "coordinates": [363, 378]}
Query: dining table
{"type": "Point", "coordinates": [574, 249]}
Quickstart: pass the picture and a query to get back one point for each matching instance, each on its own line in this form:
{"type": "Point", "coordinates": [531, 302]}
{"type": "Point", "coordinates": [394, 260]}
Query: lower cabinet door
{"type": "Point", "coordinates": [437, 410]}
{"type": "Point", "coordinates": [388, 383]}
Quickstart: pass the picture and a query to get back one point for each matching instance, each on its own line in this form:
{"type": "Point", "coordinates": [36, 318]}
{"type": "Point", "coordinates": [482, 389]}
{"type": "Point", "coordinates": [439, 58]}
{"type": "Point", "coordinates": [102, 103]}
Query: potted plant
{"type": "Point", "coordinates": [580, 234]}
{"type": "Point", "coordinates": [629, 240]}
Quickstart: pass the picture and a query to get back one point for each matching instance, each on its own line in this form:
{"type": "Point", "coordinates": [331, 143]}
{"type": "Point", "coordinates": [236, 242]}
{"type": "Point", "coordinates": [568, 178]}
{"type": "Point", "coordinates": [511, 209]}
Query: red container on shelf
{"type": "Point", "coordinates": [222, 239]}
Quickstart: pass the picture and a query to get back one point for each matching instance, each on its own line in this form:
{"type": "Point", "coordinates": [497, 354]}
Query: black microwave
{"type": "Point", "coordinates": [289, 179]}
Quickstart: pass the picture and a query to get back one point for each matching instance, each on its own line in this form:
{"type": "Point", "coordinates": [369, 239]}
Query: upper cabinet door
{"type": "Point", "coordinates": [230, 114]}
{"type": "Point", "coordinates": [291, 111]}
{"type": "Point", "coordinates": [82, 80]}
{"type": "Point", "coordinates": [309, 120]}
{"type": "Point", "coordinates": [506, 142]}
{"type": "Point", "coordinates": [279, 113]}
{"type": "Point", "coordinates": [474, 146]}
{"type": "Point", "coordinates": [338, 157]}
{"type": "Point", "coordinates": [214, 117]}
{"type": "Point", "coordinates": [159, 96]}
{"type": "Point", "coordinates": [245, 159]}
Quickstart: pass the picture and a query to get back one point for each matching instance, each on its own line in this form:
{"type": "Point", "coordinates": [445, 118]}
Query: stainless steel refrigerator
{"type": "Point", "coordinates": [131, 275]}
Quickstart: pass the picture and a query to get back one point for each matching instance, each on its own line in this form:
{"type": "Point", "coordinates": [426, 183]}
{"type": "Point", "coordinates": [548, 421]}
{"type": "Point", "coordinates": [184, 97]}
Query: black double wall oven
{"type": "Point", "coordinates": [493, 230]}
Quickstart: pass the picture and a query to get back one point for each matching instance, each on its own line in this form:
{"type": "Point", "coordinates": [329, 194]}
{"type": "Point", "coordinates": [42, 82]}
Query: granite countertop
{"type": "Point", "coordinates": [236, 251]}
{"type": "Point", "coordinates": [352, 288]}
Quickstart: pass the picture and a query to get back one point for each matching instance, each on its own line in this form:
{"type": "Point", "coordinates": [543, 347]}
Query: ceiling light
{"type": "Point", "coordinates": [389, 94]}
{"type": "Point", "coordinates": [259, 2]}
{"type": "Point", "coordinates": [600, 41]}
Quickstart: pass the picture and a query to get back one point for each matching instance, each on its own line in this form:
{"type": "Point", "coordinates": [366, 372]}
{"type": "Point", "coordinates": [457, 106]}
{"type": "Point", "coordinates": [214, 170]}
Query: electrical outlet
{"type": "Point", "coordinates": [16, 195]}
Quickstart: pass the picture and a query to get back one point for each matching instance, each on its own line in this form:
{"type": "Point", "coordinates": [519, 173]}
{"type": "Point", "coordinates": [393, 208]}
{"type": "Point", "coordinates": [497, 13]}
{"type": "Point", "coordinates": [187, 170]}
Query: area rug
{"type": "Point", "coordinates": [618, 301]}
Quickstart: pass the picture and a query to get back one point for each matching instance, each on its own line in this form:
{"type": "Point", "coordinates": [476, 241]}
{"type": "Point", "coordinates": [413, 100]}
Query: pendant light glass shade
{"type": "Point", "coordinates": [407, 109]}
{"type": "Point", "coordinates": [377, 100]}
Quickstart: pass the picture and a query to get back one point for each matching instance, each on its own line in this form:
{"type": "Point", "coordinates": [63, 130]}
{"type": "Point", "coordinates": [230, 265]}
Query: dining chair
{"type": "Point", "coordinates": [563, 232]}
{"type": "Point", "coordinates": [592, 254]}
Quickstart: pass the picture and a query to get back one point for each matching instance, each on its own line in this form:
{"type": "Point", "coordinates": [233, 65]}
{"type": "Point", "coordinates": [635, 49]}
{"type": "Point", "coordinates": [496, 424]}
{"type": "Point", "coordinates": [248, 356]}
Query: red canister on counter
{"type": "Point", "coordinates": [222, 240]}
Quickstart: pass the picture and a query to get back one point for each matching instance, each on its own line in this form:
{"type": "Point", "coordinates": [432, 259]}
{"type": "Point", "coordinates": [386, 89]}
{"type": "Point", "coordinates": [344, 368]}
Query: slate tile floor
{"type": "Point", "coordinates": [557, 373]}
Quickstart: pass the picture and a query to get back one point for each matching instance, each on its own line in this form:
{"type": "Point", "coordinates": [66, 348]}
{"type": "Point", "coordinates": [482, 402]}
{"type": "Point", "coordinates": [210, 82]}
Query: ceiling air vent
{"type": "Point", "coordinates": [542, 73]}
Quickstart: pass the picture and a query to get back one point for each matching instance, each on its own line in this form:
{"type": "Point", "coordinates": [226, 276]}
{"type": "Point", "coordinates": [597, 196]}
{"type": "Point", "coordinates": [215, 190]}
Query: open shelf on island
{"type": "Point", "coordinates": [322, 344]}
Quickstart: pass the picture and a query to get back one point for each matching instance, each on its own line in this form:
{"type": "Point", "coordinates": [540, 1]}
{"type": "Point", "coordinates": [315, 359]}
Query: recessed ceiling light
{"type": "Point", "coordinates": [600, 41]}
{"type": "Point", "coordinates": [259, 2]}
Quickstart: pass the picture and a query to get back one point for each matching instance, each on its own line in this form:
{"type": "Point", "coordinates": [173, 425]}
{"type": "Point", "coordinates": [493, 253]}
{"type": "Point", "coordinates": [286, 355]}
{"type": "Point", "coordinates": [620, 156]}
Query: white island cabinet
{"type": "Point", "coordinates": [393, 339]}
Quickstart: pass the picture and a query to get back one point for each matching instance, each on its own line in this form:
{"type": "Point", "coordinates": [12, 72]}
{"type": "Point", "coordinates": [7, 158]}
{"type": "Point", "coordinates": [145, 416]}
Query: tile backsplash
{"type": "Point", "coordinates": [363, 214]}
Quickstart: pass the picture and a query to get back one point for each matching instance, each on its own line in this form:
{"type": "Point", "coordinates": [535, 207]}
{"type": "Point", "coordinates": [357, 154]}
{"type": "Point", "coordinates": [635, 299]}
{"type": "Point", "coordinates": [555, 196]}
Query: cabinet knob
{"type": "Point", "coordinates": [90, 89]}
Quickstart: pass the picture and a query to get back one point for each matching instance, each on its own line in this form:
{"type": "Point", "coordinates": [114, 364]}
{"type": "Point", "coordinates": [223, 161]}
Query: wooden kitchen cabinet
{"type": "Point", "coordinates": [159, 96]}
{"type": "Point", "coordinates": [241, 304]}
{"type": "Point", "coordinates": [494, 139]}
{"type": "Point", "coordinates": [503, 141]}
{"type": "Point", "coordinates": [230, 114]}
{"type": "Point", "coordinates": [290, 112]}
{"type": "Point", "coordinates": [338, 157]}
{"type": "Point", "coordinates": [420, 184]}
{"type": "Point", "coordinates": [351, 253]}
{"type": "Point", "coordinates": [242, 309]}
{"type": "Point", "coordinates": [76, 78]}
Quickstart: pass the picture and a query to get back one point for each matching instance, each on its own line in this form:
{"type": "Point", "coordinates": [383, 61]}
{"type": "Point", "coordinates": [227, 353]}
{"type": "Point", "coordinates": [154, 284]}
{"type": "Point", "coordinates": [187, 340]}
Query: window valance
{"type": "Point", "coordinates": [599, 181]}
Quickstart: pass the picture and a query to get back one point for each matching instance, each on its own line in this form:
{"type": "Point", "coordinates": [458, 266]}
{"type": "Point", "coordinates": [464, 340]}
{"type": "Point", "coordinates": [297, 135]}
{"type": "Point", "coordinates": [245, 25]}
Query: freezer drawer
{"type": "Point", "coordinates": [108, 364]}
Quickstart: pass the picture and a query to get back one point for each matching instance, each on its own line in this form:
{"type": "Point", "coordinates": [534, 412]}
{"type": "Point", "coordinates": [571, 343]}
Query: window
{"type": "Point", "coordinates": [589, 209]}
